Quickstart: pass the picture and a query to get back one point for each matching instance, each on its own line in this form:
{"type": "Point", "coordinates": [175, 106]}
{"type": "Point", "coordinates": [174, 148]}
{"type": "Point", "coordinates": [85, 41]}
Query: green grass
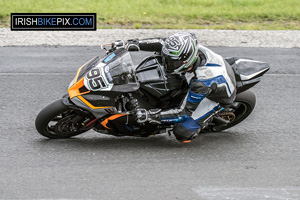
{"type": "Point", "coordinates": [185, 14]}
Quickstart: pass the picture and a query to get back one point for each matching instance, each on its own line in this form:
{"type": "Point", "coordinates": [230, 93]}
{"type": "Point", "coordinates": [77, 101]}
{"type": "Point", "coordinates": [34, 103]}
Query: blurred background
{"type": "Point", "coordinates": [170, 14]}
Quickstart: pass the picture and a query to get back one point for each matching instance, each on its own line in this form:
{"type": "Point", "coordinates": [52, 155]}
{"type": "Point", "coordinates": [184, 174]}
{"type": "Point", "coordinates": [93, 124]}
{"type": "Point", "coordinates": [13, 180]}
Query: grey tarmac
{"type": "Point", "coordinates": [258, 159]}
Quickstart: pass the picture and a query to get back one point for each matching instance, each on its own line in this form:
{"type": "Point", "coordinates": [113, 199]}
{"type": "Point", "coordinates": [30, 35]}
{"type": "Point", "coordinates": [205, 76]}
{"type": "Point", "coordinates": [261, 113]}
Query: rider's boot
{"type": "Point", "coordinates": [186, 131]}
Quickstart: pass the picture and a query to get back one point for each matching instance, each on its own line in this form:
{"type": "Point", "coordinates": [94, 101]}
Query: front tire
{"type": "Point", "coordinates": [55, 121]}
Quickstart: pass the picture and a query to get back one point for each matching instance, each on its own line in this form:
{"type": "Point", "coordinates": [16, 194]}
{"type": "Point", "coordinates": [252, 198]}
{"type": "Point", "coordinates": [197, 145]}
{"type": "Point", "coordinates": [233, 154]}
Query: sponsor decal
{"type": "Point", "coordinates": [107, 74]}
{"type": "Point", "coordinates": [111, 56]}
{"type": "Point", "coordinates": [106, 69]}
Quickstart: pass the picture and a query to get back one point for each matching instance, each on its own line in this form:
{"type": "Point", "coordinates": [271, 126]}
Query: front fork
{"type": "Point", "coordinates": [86, 119]}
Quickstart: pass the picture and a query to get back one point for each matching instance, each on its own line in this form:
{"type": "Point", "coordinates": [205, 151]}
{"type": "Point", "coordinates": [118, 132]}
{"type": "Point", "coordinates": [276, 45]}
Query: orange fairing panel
{"type": "Point", "coordinates": [104, 123]}
{"type": "Point", "coordinates": [74, 89]}
{"type": "Point", "coordinates": [74, 92]}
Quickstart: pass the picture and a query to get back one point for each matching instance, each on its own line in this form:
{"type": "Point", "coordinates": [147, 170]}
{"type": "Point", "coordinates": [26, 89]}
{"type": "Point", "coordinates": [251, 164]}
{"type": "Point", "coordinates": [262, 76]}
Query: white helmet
{"type": "Point", "coordinates": [180, 52]}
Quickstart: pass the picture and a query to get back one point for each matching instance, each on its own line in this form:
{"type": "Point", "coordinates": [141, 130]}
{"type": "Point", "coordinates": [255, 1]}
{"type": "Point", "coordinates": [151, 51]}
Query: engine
{"type": "Point", "coordinates": [125, 102]}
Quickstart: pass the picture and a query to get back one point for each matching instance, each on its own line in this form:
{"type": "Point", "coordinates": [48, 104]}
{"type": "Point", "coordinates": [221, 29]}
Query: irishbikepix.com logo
{"type": "Point", "coordinates": [53, 21]}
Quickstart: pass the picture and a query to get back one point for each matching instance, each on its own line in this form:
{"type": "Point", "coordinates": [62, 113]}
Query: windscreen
{"type": "Point", "coordinates": [121, 69]}
{"type": "Point", "coordinates": [114, 69]}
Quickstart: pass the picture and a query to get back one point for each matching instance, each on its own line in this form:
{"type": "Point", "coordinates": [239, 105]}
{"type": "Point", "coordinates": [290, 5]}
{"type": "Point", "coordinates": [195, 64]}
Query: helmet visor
{"type": "Point", "coordinates": [171, 65]}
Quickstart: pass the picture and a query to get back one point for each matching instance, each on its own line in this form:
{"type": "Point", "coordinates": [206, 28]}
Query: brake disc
{"type": "Point", "coordinates": [65, 127]}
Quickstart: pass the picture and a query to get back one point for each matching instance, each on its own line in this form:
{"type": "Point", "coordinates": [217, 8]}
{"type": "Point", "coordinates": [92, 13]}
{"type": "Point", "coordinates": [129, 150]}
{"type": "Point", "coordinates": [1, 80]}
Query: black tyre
{"type": "Point", "coordinates": [55, 121]}
{"type": "Point", "coordinates": [243, 105]}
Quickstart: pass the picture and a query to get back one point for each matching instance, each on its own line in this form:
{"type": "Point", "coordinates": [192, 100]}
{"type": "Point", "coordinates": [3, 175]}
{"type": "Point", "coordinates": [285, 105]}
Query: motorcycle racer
{"type": "Point", "coordinates": [183, 87]}
{"type": "Point", "coordinates": [211, 82]}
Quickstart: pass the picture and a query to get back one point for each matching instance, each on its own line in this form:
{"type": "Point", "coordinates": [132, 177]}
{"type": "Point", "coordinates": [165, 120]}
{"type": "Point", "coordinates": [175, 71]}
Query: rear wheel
{"type": "Point", "coordinates": [242, 106]}
{"type": "Point", "coordinates": [59, 121]}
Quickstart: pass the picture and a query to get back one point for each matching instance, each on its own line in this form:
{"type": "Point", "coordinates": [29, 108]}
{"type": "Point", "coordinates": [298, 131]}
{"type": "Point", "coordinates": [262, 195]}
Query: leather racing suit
{"type": "Point", "coordinates": [211, 84]}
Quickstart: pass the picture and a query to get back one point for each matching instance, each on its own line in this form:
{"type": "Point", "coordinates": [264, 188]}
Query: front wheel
{"type": "Point", "coordinates": [59, 121]}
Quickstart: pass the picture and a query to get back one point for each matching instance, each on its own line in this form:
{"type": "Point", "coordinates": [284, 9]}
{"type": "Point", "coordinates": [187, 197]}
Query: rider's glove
{"type": "Point", "coordinates": [132, 45]}
{"type": "Point", "coordinates": [152, 116]}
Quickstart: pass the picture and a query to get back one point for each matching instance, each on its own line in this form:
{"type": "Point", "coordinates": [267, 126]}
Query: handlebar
{"type": "Point", "coordinates": [110, 47]}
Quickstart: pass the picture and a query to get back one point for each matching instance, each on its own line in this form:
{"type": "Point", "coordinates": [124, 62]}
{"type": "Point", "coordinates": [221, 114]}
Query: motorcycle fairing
{"type": "Point", "coordinates": [99, 81]}
{"type": "Point", "coordinates": [151, 76]}
{"type": "Point", "coordinates": [250, 69]}
{"type": "Point", "coordinates": [78, 91]}
{"type": "Point", "coordinates": [86, 68]}
{"type": "Point", "coordinates": [247, 72]}
{"type": "Point", "coordinates": [98, 112]}
{"type": "Point", "coordinates": [99, 78]}
{"type": "Point", "coordinates": [77, 87]}
{"type": "Point", "coordinates": [85, 100]}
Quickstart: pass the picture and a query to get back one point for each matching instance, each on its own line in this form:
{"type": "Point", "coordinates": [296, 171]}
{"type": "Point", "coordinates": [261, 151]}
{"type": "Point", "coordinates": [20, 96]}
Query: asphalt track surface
{"type": "Point", "coordinates": [258, 159]}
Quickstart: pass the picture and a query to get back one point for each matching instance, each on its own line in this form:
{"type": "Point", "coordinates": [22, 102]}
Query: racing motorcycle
{"type": "Point", "coordinates": [111, 86]}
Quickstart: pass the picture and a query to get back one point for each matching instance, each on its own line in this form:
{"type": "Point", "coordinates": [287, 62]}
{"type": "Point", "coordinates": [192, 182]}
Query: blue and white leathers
{"type": "Point", "coordinates": [215, 71]}
{"type": "Point", "coordinates": [211, 82]}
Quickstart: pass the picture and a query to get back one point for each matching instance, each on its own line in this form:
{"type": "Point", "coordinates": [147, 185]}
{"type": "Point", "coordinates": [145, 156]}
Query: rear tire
{"type": "Point", "coordinates": [247, 101]}
{"type": "Point", "coordinates": [59, 113]}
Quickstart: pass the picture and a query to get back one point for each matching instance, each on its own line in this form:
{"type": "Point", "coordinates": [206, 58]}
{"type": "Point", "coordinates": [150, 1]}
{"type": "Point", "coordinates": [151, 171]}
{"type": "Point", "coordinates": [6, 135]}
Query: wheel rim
{"type": "Point", "coordinates": [240, 111]}
{"type": "Point", "coordinates": [61, 125]}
